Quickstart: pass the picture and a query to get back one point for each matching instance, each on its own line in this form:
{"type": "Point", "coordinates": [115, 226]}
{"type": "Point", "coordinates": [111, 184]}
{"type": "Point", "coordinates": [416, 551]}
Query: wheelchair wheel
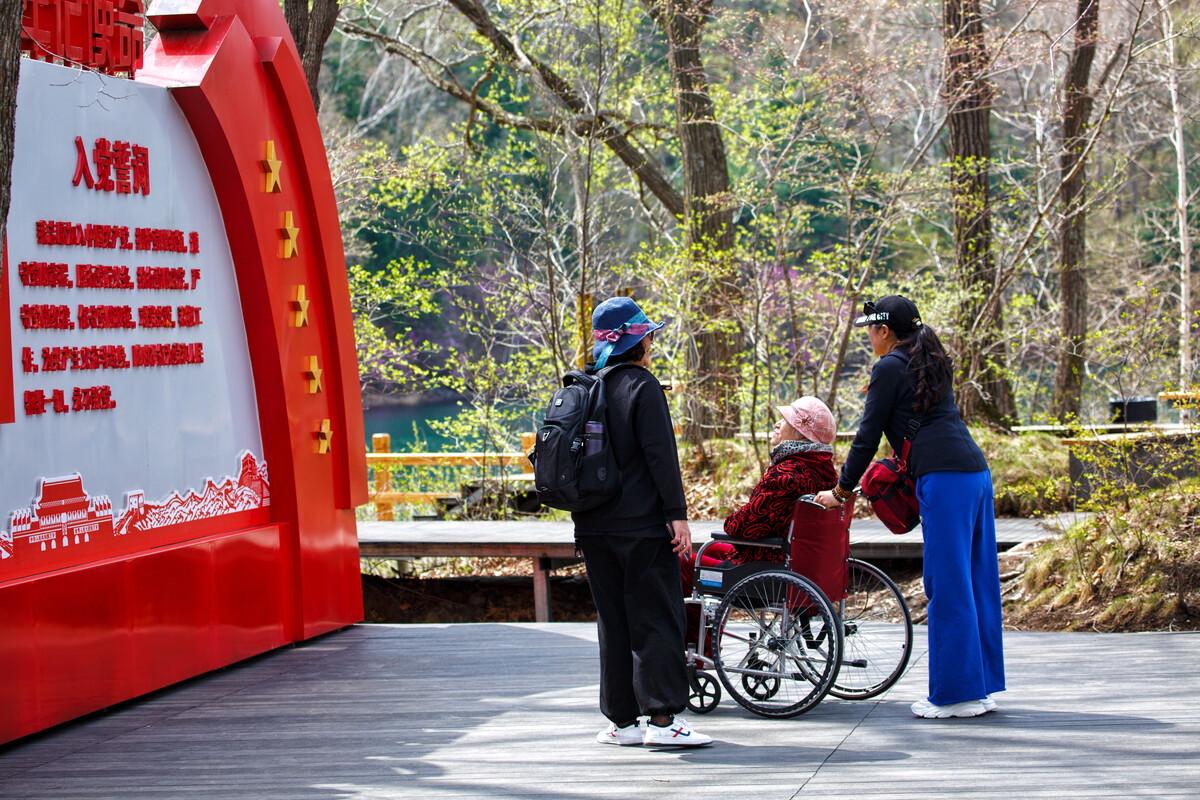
{"type": "Point", "coordinates": [877, 633]}
{"type": "Point", "coordinates": [778, 644]}
{"type": "Point", "coordinates": [756, 686]}
{"type": "Point", "coordinates": [705, 692]}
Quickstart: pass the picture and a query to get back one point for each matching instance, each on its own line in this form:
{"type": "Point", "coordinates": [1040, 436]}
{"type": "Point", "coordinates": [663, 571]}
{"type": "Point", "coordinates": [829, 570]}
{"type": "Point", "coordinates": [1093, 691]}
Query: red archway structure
{"type": "Point", "coordinates": [85, 636]}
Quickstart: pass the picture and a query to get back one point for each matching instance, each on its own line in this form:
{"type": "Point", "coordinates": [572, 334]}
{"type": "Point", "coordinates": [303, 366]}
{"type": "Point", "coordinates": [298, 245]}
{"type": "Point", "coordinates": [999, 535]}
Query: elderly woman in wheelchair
{"type": "Point", "coordinates": [801, 464]}
{"type": "Point", "coordinates": [775, 605]}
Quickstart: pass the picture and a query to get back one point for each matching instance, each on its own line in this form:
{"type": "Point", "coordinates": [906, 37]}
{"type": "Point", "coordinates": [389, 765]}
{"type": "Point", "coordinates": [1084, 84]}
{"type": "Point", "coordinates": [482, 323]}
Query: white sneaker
{"type": "Point", "coordinates": [630, 734]}
{"type": "Point", "coordinates": [677, 734]}
{"type": "Point", "coordinates": [967, 708]}
{"type": "Point", "coordinates": [989, 703]}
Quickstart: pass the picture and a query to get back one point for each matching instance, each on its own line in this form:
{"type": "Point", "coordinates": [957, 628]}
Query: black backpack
{"type": "Point", "coordinates": [573, 464]}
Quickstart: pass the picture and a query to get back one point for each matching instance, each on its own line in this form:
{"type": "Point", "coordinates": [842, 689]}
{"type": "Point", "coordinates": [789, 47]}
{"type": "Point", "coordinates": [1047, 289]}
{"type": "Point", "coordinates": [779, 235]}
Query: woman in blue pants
{"type": "Point", "coordinates": [912, 383]}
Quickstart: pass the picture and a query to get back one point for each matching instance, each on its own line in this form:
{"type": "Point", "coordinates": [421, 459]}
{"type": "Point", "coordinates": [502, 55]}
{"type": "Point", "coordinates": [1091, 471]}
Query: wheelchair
{"type": "Point", "coordinates": [780, 637]}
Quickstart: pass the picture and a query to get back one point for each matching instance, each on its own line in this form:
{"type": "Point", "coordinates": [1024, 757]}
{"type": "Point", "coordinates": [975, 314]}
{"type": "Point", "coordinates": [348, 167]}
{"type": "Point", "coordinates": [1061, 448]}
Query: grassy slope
{"type": "Point", "coordinates": [1133, 567]}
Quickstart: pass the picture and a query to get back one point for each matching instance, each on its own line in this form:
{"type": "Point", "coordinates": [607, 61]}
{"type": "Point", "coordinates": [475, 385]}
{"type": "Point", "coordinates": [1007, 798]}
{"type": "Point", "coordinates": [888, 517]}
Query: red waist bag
{"type": "Point", "coordinates": [891, 491]}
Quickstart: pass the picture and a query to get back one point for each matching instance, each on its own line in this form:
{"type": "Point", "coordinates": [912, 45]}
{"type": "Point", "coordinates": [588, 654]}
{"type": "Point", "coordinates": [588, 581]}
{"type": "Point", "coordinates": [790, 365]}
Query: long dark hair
{"type": "Point", "coordinates": [928, 359]}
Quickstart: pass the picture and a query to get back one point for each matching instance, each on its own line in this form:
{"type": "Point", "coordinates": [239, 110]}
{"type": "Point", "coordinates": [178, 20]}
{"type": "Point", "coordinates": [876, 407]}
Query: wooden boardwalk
{"type": "Point", "coordinates": [868, 538]}
{"type": "Point", "coordinates": [552, 544]}
{"type": "Point", "coordinates": [509, 711]}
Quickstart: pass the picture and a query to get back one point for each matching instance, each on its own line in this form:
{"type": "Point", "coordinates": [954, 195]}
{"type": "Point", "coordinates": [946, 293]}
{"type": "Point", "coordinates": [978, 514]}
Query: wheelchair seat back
{"type": "Point", "coordinates": [820, 545]}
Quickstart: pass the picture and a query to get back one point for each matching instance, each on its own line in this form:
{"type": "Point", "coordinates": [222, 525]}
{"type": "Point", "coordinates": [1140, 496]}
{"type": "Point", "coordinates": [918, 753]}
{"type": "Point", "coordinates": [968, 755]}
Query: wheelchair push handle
{"type": "Point", "coordinates": [811, 499]}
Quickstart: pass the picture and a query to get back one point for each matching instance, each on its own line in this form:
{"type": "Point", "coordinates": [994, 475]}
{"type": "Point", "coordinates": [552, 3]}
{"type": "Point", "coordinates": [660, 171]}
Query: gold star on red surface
{"type": "Point", "coordinates": [270, 167]}
{"type": "Point", "coordinates": [300, 303]}
{"type": "Point", "coordinates": [289, 245]}
{"type": "Point", "coordinates": [313, 374]}
{"type": "Point", "coordinates": [324, 435]}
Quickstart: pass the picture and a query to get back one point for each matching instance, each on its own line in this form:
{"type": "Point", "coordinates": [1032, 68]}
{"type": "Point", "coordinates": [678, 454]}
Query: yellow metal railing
{"type": "Point", "coordinates": [381, 462]}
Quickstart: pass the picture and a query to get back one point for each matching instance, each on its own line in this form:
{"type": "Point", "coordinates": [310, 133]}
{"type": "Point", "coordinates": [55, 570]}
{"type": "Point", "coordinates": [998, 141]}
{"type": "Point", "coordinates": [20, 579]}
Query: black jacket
{"type": "Point", "coordinates": [643, 442]}
{"type": "Point", "coordinates": [942, 444]}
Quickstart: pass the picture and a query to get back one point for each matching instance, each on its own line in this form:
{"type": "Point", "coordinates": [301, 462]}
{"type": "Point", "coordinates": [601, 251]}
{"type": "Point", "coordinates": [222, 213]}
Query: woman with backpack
{"type": "Point", "coordinates": [912, 382]}
{"type": "Point", "coordinates": [630, 544]}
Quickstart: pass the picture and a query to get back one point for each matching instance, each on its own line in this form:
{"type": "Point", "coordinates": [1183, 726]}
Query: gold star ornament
{"type": "Point", "coordinates": [270, 165]}
{"type": "Point", "coordinates": [324, 436]}
{"type": "Point", "coordinates": [313, 374]}
{"type": "Point", "coordinates": [300, 303]}
{"type": "Point", "coordinates": [289, 244]}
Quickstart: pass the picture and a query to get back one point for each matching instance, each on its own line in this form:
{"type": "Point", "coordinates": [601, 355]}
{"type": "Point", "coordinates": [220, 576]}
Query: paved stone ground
{"type": "Point", "coordinates": [509, 711]}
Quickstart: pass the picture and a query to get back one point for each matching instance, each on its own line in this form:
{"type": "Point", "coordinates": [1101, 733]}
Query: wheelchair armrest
{"type": "Point", "coordinates": [773, 542]}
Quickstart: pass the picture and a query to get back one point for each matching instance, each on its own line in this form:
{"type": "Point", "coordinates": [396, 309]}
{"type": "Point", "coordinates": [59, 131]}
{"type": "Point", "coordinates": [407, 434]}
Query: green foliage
{"type": "Point", "coordinates": [830, 124]}
{"type": "Point", "coordinates": [1029, 472]}
{"type": "Point", "coordinates": [386, 304]}
{"type": "Point", "coordinates": [1135, 563]}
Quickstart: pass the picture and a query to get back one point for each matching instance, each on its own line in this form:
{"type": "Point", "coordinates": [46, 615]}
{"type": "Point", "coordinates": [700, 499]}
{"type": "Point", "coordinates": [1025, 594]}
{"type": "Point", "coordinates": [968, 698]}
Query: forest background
{"type": "Point", "coordinates": [753, 171]}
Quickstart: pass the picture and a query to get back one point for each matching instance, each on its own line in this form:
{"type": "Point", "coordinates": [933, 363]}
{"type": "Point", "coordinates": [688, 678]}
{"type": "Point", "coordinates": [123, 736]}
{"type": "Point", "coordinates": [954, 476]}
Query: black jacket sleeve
{"type": "Point", "coordinates": [643, 442]}
{"type": "Point", "coordinates": [656, 433]}
{"type": "Point", "coordinates": [941, 443]}
{"type": "Point", "coordinates": [884, 394]}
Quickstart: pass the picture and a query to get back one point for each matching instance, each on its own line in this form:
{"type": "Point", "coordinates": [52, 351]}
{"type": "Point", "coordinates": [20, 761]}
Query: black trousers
{"type": "Point", "coordinates": [639, 607]}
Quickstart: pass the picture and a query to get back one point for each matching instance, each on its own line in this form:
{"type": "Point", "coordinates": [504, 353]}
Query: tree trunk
{"type": "Point", "coordinates": [1179, 144]}
{"type": "Point", "coordinates": [708, 223]}
{"type": "Point", "coordinates": [1072, 278]}
{"type": "Point", "coordinates": [310, 29]}
{"type": "Point", "coordinates": [983, 389]}
{"type": "Point", "coordinates": [10, 72]}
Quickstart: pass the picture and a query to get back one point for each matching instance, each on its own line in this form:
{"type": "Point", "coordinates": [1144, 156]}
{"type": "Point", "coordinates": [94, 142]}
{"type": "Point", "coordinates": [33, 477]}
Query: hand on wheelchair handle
{"type": "Point", "coordinates": [826, 499]}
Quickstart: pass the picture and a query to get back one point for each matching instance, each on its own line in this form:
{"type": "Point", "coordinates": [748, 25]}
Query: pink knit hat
{"type": "Point", "coordinates": [811, 418]}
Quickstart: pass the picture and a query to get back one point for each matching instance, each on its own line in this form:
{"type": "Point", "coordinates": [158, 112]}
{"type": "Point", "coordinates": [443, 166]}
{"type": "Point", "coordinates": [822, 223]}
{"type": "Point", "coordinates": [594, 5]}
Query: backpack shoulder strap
{"type": "Point", "coordinates": [598, 403]}
{"type": "Point", "coordinates": [603, 371]}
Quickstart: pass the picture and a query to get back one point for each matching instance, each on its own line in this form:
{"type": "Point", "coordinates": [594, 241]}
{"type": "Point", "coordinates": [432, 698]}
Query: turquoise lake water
{"type": "Point", "coordinates": [410, 430]}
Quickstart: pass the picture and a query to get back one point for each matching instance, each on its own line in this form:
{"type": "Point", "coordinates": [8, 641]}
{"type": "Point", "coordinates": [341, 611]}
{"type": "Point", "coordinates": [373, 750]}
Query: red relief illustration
{"type": "Point", "coordinates": [64, 516]}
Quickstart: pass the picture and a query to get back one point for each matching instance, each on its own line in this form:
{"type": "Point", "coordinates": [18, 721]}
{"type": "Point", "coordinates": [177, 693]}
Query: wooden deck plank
{"type": "Point", "coordinates": [868, 538]}
{"type": "Point", "coordinates": [378, 712]}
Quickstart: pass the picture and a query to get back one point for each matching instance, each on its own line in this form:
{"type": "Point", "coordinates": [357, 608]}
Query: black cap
{"type": "Point", "coordinates": [898, 313]}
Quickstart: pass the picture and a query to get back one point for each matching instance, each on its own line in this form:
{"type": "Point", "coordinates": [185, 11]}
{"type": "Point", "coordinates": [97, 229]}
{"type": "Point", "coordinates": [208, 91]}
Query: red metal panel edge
{"type": "Point", "coordinates": [8, 412]}
{"type": "Point", "coordinates": [196, 64]}
{"type": "Point", "coordinates": [233, 106]}
{"type": "Point", "coordinates": [290, 84]}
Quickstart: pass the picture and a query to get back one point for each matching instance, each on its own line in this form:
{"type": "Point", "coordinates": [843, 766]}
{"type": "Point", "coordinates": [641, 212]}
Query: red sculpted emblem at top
{"type": "Point", "coordinates": [104, 35]}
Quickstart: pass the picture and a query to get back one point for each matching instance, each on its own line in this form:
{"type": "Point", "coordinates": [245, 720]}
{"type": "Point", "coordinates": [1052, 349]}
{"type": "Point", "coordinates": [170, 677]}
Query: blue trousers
{"type": "Point", "coordinates": [962, 582]}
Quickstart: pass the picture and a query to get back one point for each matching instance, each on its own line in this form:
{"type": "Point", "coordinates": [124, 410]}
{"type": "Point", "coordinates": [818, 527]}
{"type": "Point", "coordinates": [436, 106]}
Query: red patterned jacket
{"type": "Point", "coordinates": [769, 509]}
